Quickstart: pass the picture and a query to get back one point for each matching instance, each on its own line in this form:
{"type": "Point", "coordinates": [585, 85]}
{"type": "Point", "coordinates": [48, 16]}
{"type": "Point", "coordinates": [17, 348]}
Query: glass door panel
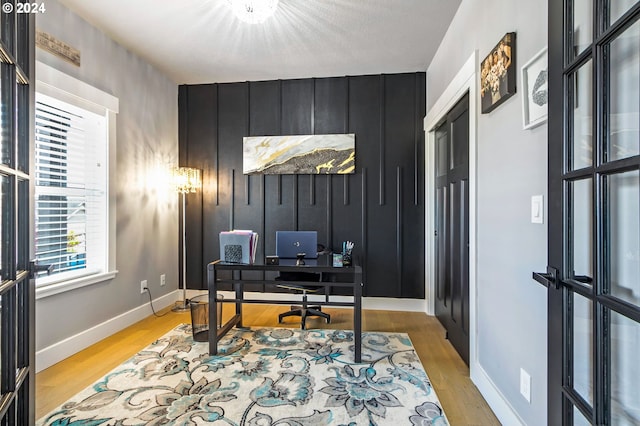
{"type": "Point", "coordinates": [582, 27]}
{"type": "Point", "coordinates": [6, 125]}
{"type": "Point", "coordinates": [579, 419]}
{"type": "Point", "coordinates": [22, 249]}
{"type": "Point", "coordinates": [581, 231]}
{"type": "Point", "coordinates": [582, 113]}
{"type": "Point", "coordinates": [8, 25]}
{"type": "Point", "coordinates": [621, 233]}
{"type": "Point", "coordinates": [624, 94]}
{"type": "Point", "coordinates": [23, 128]}
{"type": "Point", "coordinates": [625, 371]}
{"type": "Point", "coordinates": [5, 230]}
{"type": "Point", "coordinates": [583, 347]}
{"type": "Point", "coordinates": [619, 8]}
{"type": "Point", "coordinates": [22, 43]}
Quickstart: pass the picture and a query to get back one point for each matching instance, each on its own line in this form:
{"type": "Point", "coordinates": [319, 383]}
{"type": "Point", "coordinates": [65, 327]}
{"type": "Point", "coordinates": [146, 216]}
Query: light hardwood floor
{"type": "Point", "coordinates": [460, 399]}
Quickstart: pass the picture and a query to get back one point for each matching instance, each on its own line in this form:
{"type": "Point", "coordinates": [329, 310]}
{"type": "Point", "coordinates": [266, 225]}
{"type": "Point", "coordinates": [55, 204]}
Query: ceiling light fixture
{"type": "Point", "coordinates": [253, 11]}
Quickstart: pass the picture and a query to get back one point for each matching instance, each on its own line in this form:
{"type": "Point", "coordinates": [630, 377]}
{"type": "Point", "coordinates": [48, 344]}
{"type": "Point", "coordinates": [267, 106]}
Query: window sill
{"type": "Point", "coordinates": [73, 284]}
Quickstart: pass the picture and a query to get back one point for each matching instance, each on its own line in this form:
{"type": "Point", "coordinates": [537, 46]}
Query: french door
{"type": "Point", "coordinates": [17, 64]}
{"type": "Point", "coordinates": [594, 213]}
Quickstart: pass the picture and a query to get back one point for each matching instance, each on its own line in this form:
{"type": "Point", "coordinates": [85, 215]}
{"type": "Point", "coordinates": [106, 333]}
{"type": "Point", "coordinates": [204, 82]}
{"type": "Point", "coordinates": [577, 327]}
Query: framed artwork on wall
{"type": "Point", "coordinates": [535, 87]}
{"type": "Point", "coordinates": [299, 154]}
{"type": "Point", "coordinates": [498, 74]}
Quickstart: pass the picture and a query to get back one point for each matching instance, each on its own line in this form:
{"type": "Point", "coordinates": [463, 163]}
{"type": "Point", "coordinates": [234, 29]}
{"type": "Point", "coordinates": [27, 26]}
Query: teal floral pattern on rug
{"type": "Point", "coordinates": [262, 377]}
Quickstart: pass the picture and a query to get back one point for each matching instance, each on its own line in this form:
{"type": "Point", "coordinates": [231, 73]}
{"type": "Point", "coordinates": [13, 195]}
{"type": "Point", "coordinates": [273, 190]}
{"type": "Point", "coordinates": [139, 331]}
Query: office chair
{"type": "Point", "coordinates": [303, 310]}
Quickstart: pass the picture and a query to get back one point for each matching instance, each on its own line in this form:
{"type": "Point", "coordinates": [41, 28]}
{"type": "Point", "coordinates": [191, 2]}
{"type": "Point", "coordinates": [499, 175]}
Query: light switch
{"type": "Point", "coordinates": [537, 209]}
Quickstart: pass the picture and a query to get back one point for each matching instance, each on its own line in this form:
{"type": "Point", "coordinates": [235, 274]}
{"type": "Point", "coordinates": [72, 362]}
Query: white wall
{"type": "Point", "coordinates": [147, 214]}
{"type": "Point", "coordinates": [511, 167]}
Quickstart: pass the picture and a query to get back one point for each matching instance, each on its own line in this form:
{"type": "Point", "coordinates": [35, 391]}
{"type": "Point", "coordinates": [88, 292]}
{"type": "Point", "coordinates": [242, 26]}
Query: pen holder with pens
{"type": "Point", "coordinates": [347, 248]}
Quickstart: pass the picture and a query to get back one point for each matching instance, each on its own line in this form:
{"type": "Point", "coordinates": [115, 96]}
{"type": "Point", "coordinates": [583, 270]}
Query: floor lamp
{"type": "Point", "coordinates": [186, 180]}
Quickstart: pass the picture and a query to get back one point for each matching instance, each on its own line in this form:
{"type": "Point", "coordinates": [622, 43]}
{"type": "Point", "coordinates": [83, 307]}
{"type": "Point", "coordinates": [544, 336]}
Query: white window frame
{"type": "Point", "coordinates": [56, 84]}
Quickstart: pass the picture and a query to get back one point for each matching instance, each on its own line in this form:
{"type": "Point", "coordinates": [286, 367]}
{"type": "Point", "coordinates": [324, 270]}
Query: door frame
{"type": "Point", "coordinates": [466, 80]}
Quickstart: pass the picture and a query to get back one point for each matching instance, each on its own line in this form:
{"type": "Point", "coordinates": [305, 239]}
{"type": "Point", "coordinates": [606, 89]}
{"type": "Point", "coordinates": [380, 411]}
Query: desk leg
{"type": "Point", "coordinates": [357, 320]}
{"type": "Point", "coordinates": [213, 312]}
{"type": "Point", "coordinates": [238, 287]}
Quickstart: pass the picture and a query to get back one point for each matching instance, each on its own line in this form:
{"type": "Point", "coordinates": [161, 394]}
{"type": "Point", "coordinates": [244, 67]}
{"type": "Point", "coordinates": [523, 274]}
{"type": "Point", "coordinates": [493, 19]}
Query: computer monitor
{"type": "Point", "coordinates": [290, 243]}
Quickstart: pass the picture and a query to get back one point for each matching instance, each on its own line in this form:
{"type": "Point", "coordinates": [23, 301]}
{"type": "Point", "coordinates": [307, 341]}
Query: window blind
{"type": "Point", "coordinates": [70, 191]}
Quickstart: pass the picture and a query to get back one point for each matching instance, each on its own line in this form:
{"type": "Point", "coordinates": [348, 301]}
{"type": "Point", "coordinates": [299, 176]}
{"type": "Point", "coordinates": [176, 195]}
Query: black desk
{"type": "Point", "coordinates": [322, 266]}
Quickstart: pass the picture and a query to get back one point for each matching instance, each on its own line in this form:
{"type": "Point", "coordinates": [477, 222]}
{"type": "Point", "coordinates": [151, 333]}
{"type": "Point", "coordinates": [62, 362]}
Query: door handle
{"type": "Point", "coordinates": [35, 268]}
{"type": "Point", "coordinates": [548, 279]}
{"type": "Point", "coordinates": [584, 279]}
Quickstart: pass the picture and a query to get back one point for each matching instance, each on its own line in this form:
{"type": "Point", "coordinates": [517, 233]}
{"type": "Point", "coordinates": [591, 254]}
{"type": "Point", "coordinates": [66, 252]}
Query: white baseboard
{"type": "Point", "coordinates": [58, 351]}
{"type": "Point", "coordinates": [496, 400]}
{"type": "Point", "coordinates": [52, 354]}
{"type": "Point", "coordinates": [390, 304]}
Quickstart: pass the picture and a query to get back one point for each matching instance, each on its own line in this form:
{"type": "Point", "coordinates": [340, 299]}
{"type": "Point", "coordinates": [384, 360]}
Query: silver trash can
{"type": "Point", "coordinates": [200, 316]}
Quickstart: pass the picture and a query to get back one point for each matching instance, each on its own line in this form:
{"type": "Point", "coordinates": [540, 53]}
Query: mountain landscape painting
{"type": "Point", "coordinates": [299, 154]}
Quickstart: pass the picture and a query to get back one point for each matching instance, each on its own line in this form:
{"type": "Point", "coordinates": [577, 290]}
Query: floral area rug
{"type": "Point", "coordinates": [262, 377]}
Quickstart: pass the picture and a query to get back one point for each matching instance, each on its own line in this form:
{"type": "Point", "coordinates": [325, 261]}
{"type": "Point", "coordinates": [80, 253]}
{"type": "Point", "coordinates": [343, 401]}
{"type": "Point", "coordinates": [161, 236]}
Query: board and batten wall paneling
{"type": "Point", "coordinates": [199, 110]}
{"type": "Point", "coordinates": [380, 207]}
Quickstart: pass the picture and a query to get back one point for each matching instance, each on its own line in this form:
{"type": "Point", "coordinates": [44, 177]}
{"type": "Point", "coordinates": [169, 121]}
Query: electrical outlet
{"type": "Point", "coordinates": [163, 279]}
{"type": "Point", "coordinates": [525, 385]}
{"type": "Point", "coordinates": [143, 286]}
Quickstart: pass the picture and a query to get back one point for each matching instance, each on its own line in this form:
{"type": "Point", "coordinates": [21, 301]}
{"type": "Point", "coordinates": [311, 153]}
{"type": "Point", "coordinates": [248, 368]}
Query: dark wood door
{"type": "Point", "coordinates": [452, 225]}
{"type": "Point", "coordinates": [594, 213]}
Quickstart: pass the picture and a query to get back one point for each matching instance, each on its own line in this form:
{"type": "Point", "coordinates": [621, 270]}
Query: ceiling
{"type": "Point", "coordinates": [201, 41]}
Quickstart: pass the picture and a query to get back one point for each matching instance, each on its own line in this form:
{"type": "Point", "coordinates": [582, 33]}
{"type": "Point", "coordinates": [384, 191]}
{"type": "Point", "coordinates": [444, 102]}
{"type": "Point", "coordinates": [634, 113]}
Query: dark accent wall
{"type": "Point", "coordinates": [380, 207]}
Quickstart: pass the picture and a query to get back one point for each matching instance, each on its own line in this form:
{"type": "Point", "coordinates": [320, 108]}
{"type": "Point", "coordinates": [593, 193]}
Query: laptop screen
{"type": "Point", "coordinates": [290, 243]}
